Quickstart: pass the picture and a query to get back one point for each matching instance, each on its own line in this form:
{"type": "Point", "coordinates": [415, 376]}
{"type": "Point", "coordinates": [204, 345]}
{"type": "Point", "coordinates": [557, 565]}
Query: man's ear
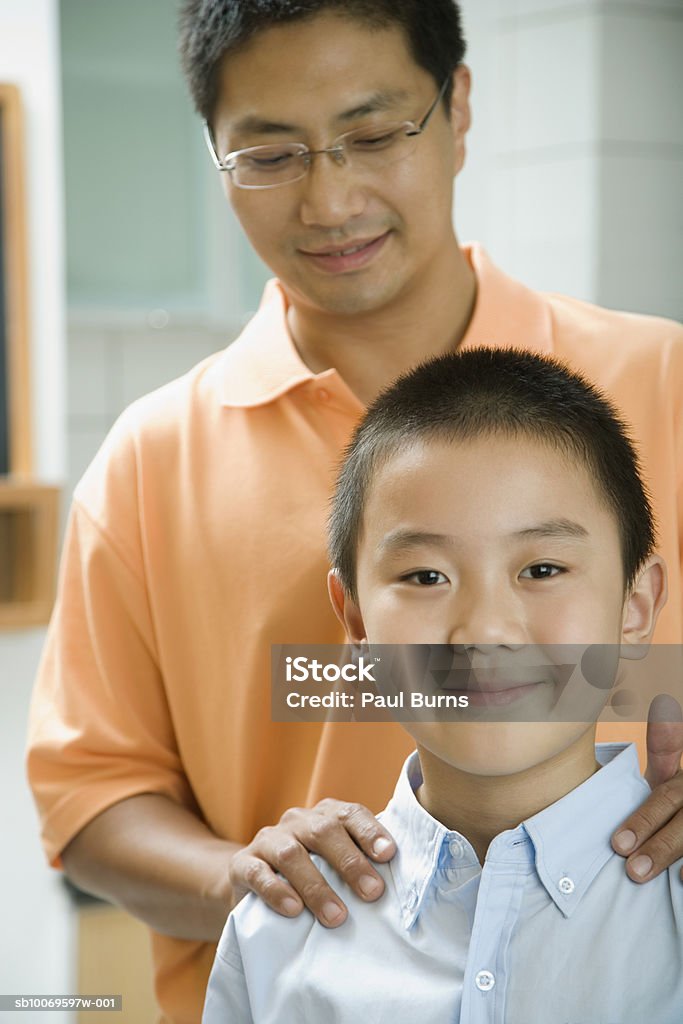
{"type": "Point", "coordinates": [643, 605]}
{"type": "Point", "coordinates": [461, 115]}
{"type": "Point", "coordinates": [346, 609]}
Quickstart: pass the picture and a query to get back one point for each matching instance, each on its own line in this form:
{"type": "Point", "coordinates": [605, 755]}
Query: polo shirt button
{"type": "Point", "coordinates": [323, 394]}
{"type": "Point", "coordinates": [566, 886]}
{"type": "Point", "coordinates": [484, 981]}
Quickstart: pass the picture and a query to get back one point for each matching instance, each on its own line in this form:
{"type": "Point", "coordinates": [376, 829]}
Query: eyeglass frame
{"type": "Point", "coordinates": [336, 149]}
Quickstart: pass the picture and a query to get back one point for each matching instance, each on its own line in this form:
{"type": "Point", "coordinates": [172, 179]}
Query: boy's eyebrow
{"type": "Point", "coordinates": [386, 99]}
{"type": "Point", "coordinates": [554, 528]}
{"type": "Point", "coordinates": [403, 540]}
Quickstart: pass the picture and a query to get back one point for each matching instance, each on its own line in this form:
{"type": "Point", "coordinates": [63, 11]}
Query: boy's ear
{"type": "Point", "coordinates": [346, 609]}
{"type": "Point", "coordinates": [643, 605]}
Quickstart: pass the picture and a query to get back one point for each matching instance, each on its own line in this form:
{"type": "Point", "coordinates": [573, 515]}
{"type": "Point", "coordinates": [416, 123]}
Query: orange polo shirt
{"type": "Point", "coordinates": [197, 539]}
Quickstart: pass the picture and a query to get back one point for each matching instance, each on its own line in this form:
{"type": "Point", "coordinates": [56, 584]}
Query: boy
{"type": "Point", "coordinates": [491, 502]}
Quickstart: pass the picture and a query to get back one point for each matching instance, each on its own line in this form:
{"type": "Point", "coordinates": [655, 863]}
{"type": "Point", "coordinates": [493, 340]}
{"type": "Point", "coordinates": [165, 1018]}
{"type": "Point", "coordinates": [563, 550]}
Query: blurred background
{"type": "Point", "coordinates": [137, 270]}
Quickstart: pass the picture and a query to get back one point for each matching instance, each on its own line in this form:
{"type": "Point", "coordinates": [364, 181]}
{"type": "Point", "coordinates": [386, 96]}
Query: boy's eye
{"type": "Point", "coordinates": [425, 577]}
{"type": "Point", "coordinates": [542, 571]}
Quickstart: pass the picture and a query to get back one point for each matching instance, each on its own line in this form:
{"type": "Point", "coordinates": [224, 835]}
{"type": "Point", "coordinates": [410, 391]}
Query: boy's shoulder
{"type": "Point", "coordinates": [254, 929]}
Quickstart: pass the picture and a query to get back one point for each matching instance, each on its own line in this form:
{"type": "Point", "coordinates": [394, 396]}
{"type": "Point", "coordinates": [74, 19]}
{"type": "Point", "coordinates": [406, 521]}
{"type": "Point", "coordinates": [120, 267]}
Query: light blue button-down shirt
{"type": "Point", "coordinates": [549, 931]}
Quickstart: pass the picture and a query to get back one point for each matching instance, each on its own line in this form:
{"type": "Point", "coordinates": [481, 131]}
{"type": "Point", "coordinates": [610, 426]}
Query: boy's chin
{"type": "Point", "coordinates": [496, 749]}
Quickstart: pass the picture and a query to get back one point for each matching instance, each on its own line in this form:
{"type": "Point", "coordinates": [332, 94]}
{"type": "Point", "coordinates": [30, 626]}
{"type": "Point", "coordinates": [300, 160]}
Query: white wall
{"type": "Point", "coordinates": [576, 151]}
{"type": "Point", "coordinates": [35, 928]}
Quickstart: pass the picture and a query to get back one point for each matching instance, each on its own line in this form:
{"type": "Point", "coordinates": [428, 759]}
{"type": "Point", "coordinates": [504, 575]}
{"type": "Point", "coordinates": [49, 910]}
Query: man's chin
{"type": "Point", "coordinates": [348, 297]}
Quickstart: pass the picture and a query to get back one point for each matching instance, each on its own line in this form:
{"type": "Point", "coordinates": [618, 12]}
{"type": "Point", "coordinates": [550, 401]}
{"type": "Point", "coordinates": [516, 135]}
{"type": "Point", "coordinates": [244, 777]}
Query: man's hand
{"type": "Point", "coordinates": [652, 838]}
{"type": "Point", "coordinates": [343, 834]}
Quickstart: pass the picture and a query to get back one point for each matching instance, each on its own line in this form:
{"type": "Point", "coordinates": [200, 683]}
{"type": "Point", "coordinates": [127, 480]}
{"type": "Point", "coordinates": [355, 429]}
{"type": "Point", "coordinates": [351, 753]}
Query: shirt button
{"type": "Point", "coordinates": [412, 899]}
{"type": "Point", "coordinates": [323, 394]}
{"type": "Point", "coordinates": [484, 981]}
{"type": "Point", "coordinates": [566, 886]}
{"type": "Point", "coordinates": [456, 848]}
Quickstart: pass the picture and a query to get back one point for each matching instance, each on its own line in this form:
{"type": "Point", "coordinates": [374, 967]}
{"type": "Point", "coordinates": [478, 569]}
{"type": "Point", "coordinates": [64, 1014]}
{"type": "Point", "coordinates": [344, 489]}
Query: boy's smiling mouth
{"type": "Point", "coordinates": [498, 686]}
{"type": "Point", "coordinates": [498, 695]}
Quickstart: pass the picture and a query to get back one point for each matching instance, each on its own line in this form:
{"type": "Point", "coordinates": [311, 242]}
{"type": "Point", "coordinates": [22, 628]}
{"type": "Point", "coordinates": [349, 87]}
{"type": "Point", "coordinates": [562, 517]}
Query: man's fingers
{"type": "Point", "coordinates": [657, 854]}
{"type": "Point", "coordinates": [335, 832]}
{"type": "Point", "coordinates": [664, 739]}
{"type": "Point", "coordinates": [366, 831]}
{"type": "Point", "coordinates": [345, 835]}
{"type": "Point", "coordinates": [251, 874]}
{"type": "Point", "coordinates": [652, 837]}
{"type": "Point", "coordinates": [274, 853]}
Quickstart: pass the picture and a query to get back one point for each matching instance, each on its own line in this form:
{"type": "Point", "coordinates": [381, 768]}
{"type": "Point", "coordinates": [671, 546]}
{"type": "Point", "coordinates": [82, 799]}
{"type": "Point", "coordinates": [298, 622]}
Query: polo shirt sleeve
{"type": "Point", "coordinates": [99, 725]}
{"type": "Point", "coordinates": [227, 996]}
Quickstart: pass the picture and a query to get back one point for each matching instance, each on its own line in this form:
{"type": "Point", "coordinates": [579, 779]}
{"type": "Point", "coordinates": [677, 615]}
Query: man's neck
{"type": "Point", "coordinates": [481, 807]}
{"type": "Point", "coordinates": [370, 350]}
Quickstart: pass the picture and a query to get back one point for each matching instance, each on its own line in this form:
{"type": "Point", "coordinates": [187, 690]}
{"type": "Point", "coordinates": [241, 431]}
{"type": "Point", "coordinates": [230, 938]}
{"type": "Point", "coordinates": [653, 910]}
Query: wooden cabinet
{"type": "Point", "coordinates": [28, 552]}
{"type": "Point", "coordinates": [28, 509]}
{"type": "Point", "coordinates": [114, 958]}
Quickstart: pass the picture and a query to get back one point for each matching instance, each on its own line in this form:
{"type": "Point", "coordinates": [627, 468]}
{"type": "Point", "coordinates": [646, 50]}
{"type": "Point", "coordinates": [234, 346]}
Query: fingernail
{"type": "Point", "coordinates": [625, 840]}
{"type": "Point", "coordinates": [368, 885]}
{"type": "Point", "coordinates": [332, 913]}
{"type": "Point", "coordinates": [641, 866]}
{"type": "Point", "coordinates": [290, 906]}
{"type": "Point", "coordinates": [381, 846]}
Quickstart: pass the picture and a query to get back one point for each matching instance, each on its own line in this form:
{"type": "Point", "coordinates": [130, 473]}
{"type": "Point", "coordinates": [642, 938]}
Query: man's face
{"type": "Point", "coordinates": [505, 547]}
{"type": "Point", "coordinates": [310, 82]}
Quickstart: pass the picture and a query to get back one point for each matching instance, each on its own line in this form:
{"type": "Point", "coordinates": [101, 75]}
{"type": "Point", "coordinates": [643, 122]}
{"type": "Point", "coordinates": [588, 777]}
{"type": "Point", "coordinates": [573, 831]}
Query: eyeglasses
{"type": "Point", "coordinates": [368, 149]}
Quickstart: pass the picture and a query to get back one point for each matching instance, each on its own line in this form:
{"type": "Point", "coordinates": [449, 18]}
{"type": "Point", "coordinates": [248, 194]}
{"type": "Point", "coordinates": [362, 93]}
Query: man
{"type": "Point", "coordinates": [197, 536]}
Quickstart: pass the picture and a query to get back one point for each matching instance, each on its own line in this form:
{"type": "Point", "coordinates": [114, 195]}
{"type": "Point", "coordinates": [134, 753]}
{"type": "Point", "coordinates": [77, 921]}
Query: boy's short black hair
{"type": "Point", "coordinates": [210, 29]}
{"type": "Point", "coordinates": [494, 392]}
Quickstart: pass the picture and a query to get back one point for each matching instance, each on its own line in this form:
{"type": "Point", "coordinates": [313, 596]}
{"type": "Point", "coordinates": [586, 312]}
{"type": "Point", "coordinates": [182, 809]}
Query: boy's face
{"type": "Point", "coordinates": [502, 545]}
{"type": "Point", "coordinates": [310, 81]}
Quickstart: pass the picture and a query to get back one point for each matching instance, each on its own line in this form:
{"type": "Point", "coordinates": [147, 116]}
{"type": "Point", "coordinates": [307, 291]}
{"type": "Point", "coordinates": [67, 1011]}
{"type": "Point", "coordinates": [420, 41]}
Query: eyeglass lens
{"type": "Point", "coordinates": [366, 149]}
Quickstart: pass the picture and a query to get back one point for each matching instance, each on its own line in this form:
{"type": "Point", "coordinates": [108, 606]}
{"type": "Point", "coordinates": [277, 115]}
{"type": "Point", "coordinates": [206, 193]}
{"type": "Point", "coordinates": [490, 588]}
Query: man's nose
{"type": "Point", "coordinates": [332, 194]}
{"type": "Point", "coordinates": [487, 615]}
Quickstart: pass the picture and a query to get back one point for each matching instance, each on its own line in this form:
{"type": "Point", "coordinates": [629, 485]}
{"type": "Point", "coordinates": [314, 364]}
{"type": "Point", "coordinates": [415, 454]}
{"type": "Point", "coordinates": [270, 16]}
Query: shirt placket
{"type": "Point", "coordinates": [499, 901]}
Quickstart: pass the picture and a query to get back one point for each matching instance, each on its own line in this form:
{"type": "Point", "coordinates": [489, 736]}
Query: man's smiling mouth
{"type": "Point", "coordinates": [351, 256]}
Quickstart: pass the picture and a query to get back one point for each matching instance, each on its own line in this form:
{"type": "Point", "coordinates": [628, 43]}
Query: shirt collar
{"type": "Point", "coordinates": [571, 838]}
{"type": "Point", "coordinates": [419, 839]}
{"type": "Point", "coordinates": [567, 844]}
{"type": "Point", "coordinates": [263, 363]}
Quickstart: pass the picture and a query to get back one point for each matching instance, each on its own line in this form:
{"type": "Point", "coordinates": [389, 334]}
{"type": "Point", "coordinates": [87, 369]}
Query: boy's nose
{"type": "Point", "coordinates": [487, 616]}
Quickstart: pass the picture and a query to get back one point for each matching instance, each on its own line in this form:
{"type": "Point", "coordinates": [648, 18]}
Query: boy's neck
{"type": "Point", "coordinates": [481, 807]}
{"type": "Point", "coordinates": [370, 350]}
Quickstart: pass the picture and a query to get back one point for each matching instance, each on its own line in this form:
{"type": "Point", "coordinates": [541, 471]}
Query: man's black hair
{"type": "Point", "coordinates": [489, 393]}
{"type": "Point", "coordinates": [211, 29]}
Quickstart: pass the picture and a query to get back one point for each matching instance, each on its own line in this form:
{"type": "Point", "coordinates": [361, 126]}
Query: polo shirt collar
{"type": "Point", "coordinates": [506, 314]}
{"type": "Point", "coordinates": [263, 363]}
{"type": "Point", "coordinates": [566, 845]}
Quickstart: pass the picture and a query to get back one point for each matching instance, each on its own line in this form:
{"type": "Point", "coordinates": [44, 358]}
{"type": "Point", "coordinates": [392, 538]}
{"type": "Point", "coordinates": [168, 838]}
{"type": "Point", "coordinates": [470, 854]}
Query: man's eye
{"type": "Point", "coordinates": [379, 139]}
{"type": "Point", "coordinates": [425, 577]}
{"type": "Point", "coordinates": [266, 160]}
{"type": "Point", "coordinates": [542, 571]}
